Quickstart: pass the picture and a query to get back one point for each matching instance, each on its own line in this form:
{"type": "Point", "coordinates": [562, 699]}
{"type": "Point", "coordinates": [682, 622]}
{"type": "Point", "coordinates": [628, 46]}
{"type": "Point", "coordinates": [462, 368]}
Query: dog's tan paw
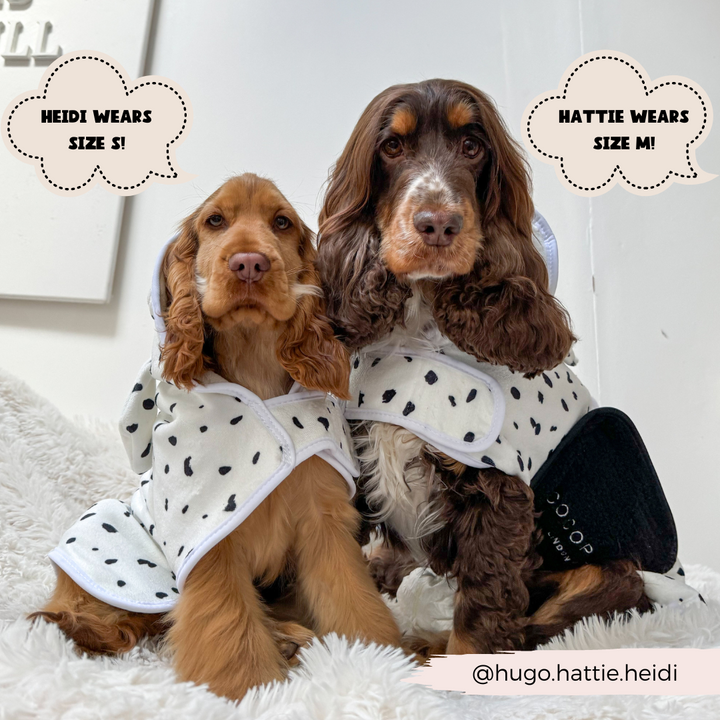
{"type": "Point", "coordinates": [290, 637]}
{"type": "Point", "coordinates": [421, 648]}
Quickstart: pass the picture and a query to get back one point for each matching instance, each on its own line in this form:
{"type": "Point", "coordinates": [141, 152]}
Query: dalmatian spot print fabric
{"type": "Point", "coordinates": [207, 458]}
{"type": "Point", "coordinates": [482, 415]}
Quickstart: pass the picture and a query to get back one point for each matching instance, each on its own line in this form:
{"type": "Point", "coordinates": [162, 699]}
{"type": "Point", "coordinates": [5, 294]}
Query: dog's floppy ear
{"type": "Point", "coordinates": [308, 348]}
{"type": "Point", "coordinates": [364, 300]}
{"type": "Point", "coordinates": [502, 311]}
{"type": "Point", "coordinates": [182, 352]}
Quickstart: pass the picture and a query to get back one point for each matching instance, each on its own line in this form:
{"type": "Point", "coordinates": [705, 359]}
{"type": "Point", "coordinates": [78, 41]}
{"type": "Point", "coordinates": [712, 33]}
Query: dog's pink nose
{"type": "Point", "coordinates": [437, 227]}
{"type": "Point", "coordinates": [249, 267]}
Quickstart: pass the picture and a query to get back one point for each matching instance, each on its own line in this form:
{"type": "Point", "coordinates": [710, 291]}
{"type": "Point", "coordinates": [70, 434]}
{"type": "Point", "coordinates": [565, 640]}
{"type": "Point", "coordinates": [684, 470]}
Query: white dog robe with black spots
{"type": "Point", "coordinates": [481, 415]}
{"type": "Point", "coordinates": [208, 458]}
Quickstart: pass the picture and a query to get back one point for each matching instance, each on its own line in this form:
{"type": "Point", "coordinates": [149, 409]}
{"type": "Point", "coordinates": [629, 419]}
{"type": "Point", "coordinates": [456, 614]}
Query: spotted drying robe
{"type": "Point", "coordinates": [207, 458]}
{"type": "Point", "coordinates": [488, 416]}
{"type": "Point", "coordinates": [482, 415]}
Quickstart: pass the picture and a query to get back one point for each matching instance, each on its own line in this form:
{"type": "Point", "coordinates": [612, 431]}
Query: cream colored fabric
{"type": "Point", "coordinates": [482, 415]}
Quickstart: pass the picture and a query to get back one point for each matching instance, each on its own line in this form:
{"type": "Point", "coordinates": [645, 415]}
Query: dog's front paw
{"type": "Point", "coordinates": [290, 638]}
{"type": "Point", "coordinates": [388, 568]}
{"type": "Point", "coordinates": [422, 647]}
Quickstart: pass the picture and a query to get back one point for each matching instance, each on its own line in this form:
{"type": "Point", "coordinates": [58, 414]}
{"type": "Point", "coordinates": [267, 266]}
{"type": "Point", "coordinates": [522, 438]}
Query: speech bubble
{"type": "Point", "coordinates": [88, 123]}
{"type": "Point", "coordinates": [608, 123]}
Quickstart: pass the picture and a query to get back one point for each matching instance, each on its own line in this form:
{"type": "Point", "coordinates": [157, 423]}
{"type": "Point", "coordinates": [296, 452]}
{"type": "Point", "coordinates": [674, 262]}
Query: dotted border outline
{"type": "Point", "coordinates": [97, 169]}
{"type": "Point", "coordinates": [617, 167]}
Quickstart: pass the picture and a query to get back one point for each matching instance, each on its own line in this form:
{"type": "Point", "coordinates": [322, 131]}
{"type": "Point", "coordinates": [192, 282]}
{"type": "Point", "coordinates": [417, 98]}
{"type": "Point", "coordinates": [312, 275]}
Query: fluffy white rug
{"type": "Point", "coordinates": [51, 469]}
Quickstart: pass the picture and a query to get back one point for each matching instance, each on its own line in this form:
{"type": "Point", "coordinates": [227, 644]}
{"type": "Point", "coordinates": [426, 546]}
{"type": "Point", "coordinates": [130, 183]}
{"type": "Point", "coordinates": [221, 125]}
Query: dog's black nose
{"type": "Point", "coordinates": [437, 227]}
{"type": "Point", "coordinates": [249, 267]}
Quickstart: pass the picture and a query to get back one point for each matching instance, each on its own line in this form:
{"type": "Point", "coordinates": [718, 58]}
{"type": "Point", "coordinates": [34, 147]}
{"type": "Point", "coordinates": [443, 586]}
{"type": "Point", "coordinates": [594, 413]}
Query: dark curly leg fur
{"type": "Point", "coordinates": [487, 545]}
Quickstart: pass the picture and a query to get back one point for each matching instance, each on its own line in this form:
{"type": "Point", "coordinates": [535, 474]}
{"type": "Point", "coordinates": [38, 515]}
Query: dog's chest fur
{"type": "Point", "coordinates": [396, 476]}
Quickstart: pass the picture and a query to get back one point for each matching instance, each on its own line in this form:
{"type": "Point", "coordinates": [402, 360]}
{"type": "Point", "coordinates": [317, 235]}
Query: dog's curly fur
{"type": "Point", "coordinates": [262, 334]}
{"type": "Point", "coordinates": [441, 147]}
{"type": "Point", "coordinates": [500, 309]}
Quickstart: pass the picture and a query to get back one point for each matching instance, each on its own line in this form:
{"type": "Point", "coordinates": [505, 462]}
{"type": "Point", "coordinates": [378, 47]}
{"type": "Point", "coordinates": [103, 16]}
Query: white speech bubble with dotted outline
{"type": "Point", "coordinates": [94, 81]}
{"type": "Point", "coordinates": [606, 80]}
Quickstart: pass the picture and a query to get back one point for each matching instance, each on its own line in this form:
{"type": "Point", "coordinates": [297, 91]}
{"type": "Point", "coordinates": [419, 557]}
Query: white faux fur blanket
{"type": "Point", "coordinates": [51, 469]}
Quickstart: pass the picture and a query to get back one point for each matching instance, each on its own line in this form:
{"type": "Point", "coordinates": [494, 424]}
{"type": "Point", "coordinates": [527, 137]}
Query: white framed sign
{"type": "Point", "coordinates": [52, 247]}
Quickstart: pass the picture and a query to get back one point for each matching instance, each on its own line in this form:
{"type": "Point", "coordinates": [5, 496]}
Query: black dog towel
{"type": "Point", "coordinates": [601, 499]}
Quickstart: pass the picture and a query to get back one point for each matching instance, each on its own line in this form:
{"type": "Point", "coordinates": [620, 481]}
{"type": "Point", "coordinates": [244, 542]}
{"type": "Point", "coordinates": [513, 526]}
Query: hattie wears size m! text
{"type": "Point", "coordinates": [622, 142]}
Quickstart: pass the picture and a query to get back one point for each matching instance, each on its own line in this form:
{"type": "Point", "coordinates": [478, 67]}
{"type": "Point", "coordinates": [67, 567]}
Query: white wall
{"type": "Point", "coordinates": [277, 87]}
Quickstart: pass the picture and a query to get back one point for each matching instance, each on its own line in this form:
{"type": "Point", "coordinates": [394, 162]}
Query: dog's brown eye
{"type": "Point", "coordinates": [215, 220]}
{"type": "Point", "coordinates": [282, 223]}
{"type": "Point", "coordinates": [392, 147]}
{"type": "Point", "coordinates": [470, 147]}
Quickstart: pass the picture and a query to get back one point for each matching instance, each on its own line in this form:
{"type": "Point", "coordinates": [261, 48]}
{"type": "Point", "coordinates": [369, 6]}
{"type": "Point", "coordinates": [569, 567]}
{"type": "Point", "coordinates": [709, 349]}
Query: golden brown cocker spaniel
{"type": "Point", "coordinates": [243, 299]}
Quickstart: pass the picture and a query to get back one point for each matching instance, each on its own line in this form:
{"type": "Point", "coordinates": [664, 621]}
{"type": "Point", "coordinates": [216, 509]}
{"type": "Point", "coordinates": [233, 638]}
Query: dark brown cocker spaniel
{"type": "Point", "coordinates": [426, 236]}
